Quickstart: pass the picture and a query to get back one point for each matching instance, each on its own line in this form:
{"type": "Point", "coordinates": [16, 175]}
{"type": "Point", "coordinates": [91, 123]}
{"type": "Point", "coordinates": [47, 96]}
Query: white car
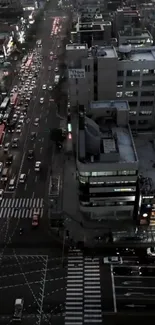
{"type": "Point", "coordinates": [22, 178]}
{"type": "Point", "coordinates": [37, 166]}
{"type": "Point", "coordinates": [36, 121]}
{"type": "Point", "coordinates": [19, 130]}
{"type": "Point", "coordinates": [113, 260]}
{"type": "Point", "coordinates": [41, 100]}
{"type": "Point", "coordinates": [1, 194]}
{"type": "Point", "coordinates": [44, 87]}
{"type": "Point", "coordinates": [56, 69]}
{"type": "Point", "coordinates": [50, 88]}
{"type": "Point", "coordinates": [1, 167]}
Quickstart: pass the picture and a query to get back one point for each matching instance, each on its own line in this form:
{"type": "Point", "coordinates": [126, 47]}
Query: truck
{"type": "Point", "coordinates": [18, 308]}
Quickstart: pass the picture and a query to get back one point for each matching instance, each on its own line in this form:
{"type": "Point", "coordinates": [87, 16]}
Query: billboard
{"type": "Point", "coordinates": [76, 73]}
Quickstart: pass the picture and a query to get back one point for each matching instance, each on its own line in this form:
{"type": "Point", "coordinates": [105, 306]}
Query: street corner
{"type": "Point", "coordinates": [22, 276]}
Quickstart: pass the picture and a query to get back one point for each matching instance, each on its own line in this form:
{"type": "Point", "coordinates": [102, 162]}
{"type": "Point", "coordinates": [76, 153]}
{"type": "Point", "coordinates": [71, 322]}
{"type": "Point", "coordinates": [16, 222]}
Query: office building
{"type": "Point", "coordinates": [105, 73]}
{"type": "Point", "coordinates": [107, 163]}
{"type": "Point", "coordinates": [95, 32]}
{"type": "Point", "coordinates": [126, 16]}
{"type": "Point", "coordinates": [135, 36]}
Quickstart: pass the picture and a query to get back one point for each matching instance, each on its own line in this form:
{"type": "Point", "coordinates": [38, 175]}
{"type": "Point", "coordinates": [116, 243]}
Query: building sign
{"type": "Point", "coordinates": [76, 73]}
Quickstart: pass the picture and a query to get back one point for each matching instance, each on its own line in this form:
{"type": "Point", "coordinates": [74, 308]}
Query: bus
{"type": "Point", "coordinates": [5, 104]}
{"type": "Point", "coordinates": [14, 99]}
{"type": "Point", "coordinates": [2, 133]}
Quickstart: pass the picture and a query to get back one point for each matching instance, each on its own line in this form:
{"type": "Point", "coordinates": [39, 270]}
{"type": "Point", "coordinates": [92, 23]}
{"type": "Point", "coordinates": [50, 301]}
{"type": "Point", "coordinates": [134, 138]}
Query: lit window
{"type": "Point", "coordinates": [132, 112]}
{"type": "Point", "coordinates": [145, 113]}
{"type": "Point", "coordinates": [119, 94]}
{"type": "Point", "coordinates": [145, 71]}
{"type": "Point", "coordinates": [129, 93]}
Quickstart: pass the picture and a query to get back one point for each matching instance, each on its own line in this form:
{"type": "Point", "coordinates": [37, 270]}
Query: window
{"type": "Point", "coordinates": [132, 113]}
{"type": "Point", "coordinates": [86, 69]}
{"type": "Point", "coordinates": [145, 113]}
{"type": "Point", "coordinates": [106, 173]}
{"type": "Point", "coordinates": [146, 71]}
{"type": "Point", "coordinates": [131, 93]}
{"type": "Point", "coordinates": [132, 83]}
{"type": "Point", "coordinates": [120, 73]}
{"type": "Point", "coordinates": [143, 122]}
{"type": "Point", "coordinates": [146, 103]}
{"type": "Point", "coordinates": [135, 72]}
{"type": "Point", "coordinates": [119, 94]}
{"type": "Point", "coordinates": [84, 174]}
{"type": "Point", "coordinates": [132, 104]}
{"type": "Point", "coordinates": [126, 172]}
{"type": "Point", "coordinates": [148, 83]}
{"type": "Point", "coordinates": [147, 93]}
{"type": "Point", "coordinates": [119, 84]}
{"type": "Point", "coordinates": [125, 189]}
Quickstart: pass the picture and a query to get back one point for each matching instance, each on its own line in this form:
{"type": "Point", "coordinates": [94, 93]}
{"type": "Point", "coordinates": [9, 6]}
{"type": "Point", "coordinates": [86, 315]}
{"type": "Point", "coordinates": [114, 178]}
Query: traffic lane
{"type": "Point", "coordinates": [142, 292]}
{"type": "Point", "coordinates": [22, 275]}
{"type": "Point", "coordinates": [137, 282]}
{"type": "Point", "coordinates": [135, 305]}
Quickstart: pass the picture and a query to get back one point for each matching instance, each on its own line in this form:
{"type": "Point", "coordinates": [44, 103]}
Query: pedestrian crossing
{"type": "Point", "coordinates": [83, 291]}
{"type": "Point", "coordinates": [20, 208]}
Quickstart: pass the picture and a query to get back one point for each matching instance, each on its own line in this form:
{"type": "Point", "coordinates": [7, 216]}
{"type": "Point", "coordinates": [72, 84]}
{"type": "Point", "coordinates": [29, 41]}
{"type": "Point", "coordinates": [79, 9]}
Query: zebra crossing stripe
{"type": "Point", "coordinates": [22, 203]}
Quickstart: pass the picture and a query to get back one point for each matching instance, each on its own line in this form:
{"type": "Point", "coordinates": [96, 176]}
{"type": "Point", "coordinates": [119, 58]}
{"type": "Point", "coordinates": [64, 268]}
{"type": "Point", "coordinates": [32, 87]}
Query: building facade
{"type": "Point", "coordinates": [105, 73]}
{"type": "Point", "coordinates": [107, 162]}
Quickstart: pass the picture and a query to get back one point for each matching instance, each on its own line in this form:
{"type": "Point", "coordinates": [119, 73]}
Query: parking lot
{"type": "Point", "coordinates": [39, 280]}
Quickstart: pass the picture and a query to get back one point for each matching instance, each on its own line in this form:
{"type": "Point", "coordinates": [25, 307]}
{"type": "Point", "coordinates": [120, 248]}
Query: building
{"type": "Point", "coordinates": [135, 36]}
{"type": "Point", "coordinates": [107, 163]}
{"type": "Point", "coordinates": [126, 16]}
{"type": "Point", "coordinates": [107, 73]}
{"type": "Point", "coordinates": [10, 8]}
{"type": "Point", "coordinates": [96, 32]}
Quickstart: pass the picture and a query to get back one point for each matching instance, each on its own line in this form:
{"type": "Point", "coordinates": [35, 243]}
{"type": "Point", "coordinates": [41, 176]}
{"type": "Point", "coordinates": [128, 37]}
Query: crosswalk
{"type": "Point", "coordinates": [83, 292]}
{"type": "Point", "coordinates": [20, 208]}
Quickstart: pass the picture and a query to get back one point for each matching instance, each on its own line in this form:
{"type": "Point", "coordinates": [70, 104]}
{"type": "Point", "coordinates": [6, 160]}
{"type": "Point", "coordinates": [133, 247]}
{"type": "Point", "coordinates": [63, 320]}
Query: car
{"type": "Point", "coordinates": [113, 260]}
{"type": "Point", "coordinates": [1, 194]}
{"type": "Point", "coordinates": [12, 184]}
{"type": "Point", "coordinates": [41, 100]}
{"type": "Point", "coordinates": [21, 121]}
{"type": "Point", "coordinates": [9, 159]}
{"type": "Point", "coordinates": [37, 166]}
{"type": "Point", "coordinates": [33, 136]}
{"type": "Point", "coordinates": [36, 121]}
{"type": "Point", "coordinates": [30, 154]}
{"type": "Point", "coordinates": [1, 166]}
{"type": "Point", "coordinates": [51, 53]}
{"type": "Point", "coordinates": [35, 220]}
{"type": "Point", "coordinates": [56, 69]}
{"type": "Point", "coordinates": [6, 147]}
{"type": "Point", "coordinates": [55, 57]}
{"type": "Point", "coordinates": [50, 88]}
{"type": "Point", "coordinates": [14, 143]}
{"type": "Point", "coordinates": [44, 87]}
{"type": "Point", "coordinates": [22, 178]}
{"type": "Point", "coordinates": [51, 58]}
{"type": "Point", "coordinates": [18, 130]}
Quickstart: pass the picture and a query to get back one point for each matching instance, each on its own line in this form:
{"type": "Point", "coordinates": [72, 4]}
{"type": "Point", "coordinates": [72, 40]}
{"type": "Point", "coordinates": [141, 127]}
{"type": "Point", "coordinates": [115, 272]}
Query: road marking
{"type": "Point", "coordinates": [46, 120]}
{"type": "Point", "coordinates": [41, 149]}
{"type": "Point", "coordinates": [113, 289]}
{"type": "Point", "coordinates": [34, 145]}
{"type": "Point", "coordinates": [131, 282]}
{"type": "Point", "coordinates": [32, 195]}
{"type": "Point", "coordinates": [25, 187]}
{"type": "Point", "coordinates": [42, 140]}
{"type": "Point", "coordinates": [20, 169]}
{"type": "Point", "coordinates": [43, 292]}
{"type": "Point", "coordinates": [143, 288]}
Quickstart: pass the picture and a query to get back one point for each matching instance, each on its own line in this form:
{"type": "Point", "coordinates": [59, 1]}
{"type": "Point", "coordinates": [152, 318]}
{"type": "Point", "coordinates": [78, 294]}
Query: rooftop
{"type": "Point", "coordinates": [134, 32]}
{"type": "Point", "coordinates": [104, 51]}
{"type": "Point", "coordinates": [104, 134]}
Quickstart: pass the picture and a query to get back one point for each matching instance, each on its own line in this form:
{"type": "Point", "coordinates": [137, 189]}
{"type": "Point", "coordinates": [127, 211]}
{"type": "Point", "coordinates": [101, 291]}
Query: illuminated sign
{"type": "Point", "coordinates": [76, 73]}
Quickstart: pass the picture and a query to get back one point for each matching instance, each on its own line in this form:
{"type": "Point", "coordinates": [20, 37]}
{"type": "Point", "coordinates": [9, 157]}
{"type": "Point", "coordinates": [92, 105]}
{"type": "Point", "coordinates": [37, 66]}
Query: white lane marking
{"type": "Point", "coordinates": [34, 145]}
{"type": "Point", "coordinates": [32, 195]}
{"type": "Point", "coordinates": [42, 139]}
{"type": "Point", "coordinates": [113, 289]}
{"type": "Point", "coordinates": [41, 149]}
{"type": "Point", "coordinates": [25, 187]}
{"type": "Point", "coordinates": [29, 171]}
{"type": "Point", "coordinates": [36, 178]}
{"type": "Point", "coordinates": [20, 169]}
{"type": "Point", "coordinates": [46, 120]}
